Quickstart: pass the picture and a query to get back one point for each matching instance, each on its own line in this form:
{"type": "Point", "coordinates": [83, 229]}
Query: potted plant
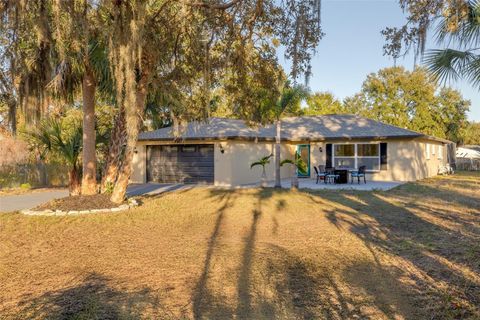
{"type": "Point", "coordinates": [300, 166]}
{"type": "Point", "coordinates": [262, 162]}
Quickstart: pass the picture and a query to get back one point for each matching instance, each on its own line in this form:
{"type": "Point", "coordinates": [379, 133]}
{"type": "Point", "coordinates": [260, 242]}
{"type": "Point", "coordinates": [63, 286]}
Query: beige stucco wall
{"type": "Point", "coordinates": [407, 160]}
{"type": "Point", "coordinates": [232, 168]}
{"type": "Point", "coordinates": [139, 164]}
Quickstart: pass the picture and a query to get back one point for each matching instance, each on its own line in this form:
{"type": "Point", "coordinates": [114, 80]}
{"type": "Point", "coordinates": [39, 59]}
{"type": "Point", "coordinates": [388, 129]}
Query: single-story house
{"type": "Point", "coordinates": [219, 151]}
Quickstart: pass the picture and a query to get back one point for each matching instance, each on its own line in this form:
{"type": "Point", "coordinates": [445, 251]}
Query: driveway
{"type": "Point", "coordinates": [29, 200]}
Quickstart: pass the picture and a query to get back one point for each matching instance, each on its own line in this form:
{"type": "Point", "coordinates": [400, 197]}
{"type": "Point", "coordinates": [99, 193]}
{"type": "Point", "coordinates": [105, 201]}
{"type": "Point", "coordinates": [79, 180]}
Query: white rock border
{"type": "Point", "coordinates": [131, 204]}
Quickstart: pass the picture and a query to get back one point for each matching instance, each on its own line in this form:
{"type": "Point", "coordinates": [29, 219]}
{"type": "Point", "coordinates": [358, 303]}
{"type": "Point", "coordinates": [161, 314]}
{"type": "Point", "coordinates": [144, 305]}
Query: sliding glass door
{"type": "Point", "coordinates": [304, 151]}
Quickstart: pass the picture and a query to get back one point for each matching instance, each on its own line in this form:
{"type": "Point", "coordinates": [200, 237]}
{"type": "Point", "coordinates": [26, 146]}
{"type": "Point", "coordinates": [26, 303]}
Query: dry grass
{"type": "Point", "coordinates": [409, 253]}
{"type": "Point", "coordinates": [90, 202]}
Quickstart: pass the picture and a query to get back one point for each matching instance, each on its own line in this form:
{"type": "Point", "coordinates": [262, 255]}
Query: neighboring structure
{"type": "Point", "coordinates": [468, 157]}
{"type": "Point", "coordinates": [220, 151]}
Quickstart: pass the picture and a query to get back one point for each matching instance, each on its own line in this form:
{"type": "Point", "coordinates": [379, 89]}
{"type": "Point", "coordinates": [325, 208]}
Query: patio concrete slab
{"type": "Point", "coordinates": [311, 184]}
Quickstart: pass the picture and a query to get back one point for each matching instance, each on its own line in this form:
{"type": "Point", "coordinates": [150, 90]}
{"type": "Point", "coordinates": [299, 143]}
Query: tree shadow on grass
{"type": "Point", "coordinates": [94, 298]}
{"type": "Point", "coordinates": [205, 303]}
{"type": "Point", "coordinates": [275, 283]}
{"type": "Point", "coordinates": [449, 290]}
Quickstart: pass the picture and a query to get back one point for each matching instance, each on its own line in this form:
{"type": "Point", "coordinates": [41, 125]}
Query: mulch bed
{"type": "Point", "coordinates": [97, 201]}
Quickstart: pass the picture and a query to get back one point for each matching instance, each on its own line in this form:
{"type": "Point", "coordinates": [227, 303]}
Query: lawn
{"type": "Point", "coordinates": [409, 253]}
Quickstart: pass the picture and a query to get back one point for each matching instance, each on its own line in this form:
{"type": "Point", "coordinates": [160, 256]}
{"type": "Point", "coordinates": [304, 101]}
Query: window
{"type": "Point", "coordinates": [433, 149]}
{"type": "Point", "coordinates": [188, 149]}
{"type": "Point", "coordinates": [427, 150]}
{"type": "Point", "coordinates": [356, 155]}
{"type": "Point", "coordinates": [169, 149]}
{"type": "Point", "coordinates": [368, 155]}
{"type": "Point", "coordinates": [367, 150]}
{"type": "Point", "coordinates": [440, 152]}
{"type": "Point", "coordinates": [344, 155]}
{"type": "Point", "coordinates": [345, 150]}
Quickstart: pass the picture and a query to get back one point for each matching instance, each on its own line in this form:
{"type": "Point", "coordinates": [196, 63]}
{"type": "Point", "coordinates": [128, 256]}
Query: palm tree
{"type": "Point", "coordinates": [51, 137]}
{"type": "Point", "coordinates": [262, 162]}
{"type": "Point", "coordinates": [300, 166]}
{"type": "Point", "coordinates": [461, 29]}
{"type": "Point", "coordinates": [289, 99]}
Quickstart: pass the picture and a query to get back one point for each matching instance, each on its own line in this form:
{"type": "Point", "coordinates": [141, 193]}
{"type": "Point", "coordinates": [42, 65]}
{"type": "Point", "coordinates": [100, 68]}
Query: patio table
{"type": "Point", "coordinates": [343, 174]}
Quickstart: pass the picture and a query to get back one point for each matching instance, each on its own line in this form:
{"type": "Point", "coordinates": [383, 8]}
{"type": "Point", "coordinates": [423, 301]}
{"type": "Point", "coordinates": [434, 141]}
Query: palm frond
{"type": "Point", "coordinates": [462, 29]}
{"type": "Point", "coordinates": [50, 137]}
{"type": "Point", "coordinates": [257, 163]}
{"type": "Point", "coordinates": [472, 72]}
{"type": "Point", "coordinates": [449, 64]}
{"type": "Point", "coordinates": [291, 96]}
{"type": "Point", "coordinates": [286, 161]}
{"type": "Point", "coordinates": [262, 162]}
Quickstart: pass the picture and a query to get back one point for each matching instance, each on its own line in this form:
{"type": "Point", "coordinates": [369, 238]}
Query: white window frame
{"type": "Point", "coordinates": [440, 151]}
{"type": "Point", "coordinates": [427, 150]}
{"type": "Point", "coordinates": [433, 150]}
{"type": "Point", "coordinates": [355, 154]}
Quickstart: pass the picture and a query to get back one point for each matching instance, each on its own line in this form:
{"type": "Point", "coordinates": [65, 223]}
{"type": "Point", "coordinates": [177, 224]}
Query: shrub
{"type": "Point", "coordinates": [25, 186]}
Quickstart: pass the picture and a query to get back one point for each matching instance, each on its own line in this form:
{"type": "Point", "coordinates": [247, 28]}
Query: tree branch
{"type": "Point", "coordinates": [220, 6]}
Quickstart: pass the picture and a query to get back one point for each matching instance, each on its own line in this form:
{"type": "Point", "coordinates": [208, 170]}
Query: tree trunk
{"type": "Point", "coordinates": [294, 178]}
{"type": "Point", "coordinates": [113, 158]}
{"type": "Point", "coordinates": [89, 178]}
{"type": "Point", "coordinates": [263, 181]}
{"type": "Point", "coordinates": [278, 183]}
{"type": "Point", "coordinates": [74, 182]}
{"type": "Point", "coordinates": [132, 120]}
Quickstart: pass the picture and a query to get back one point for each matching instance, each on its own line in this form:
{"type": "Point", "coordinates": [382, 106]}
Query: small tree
{"type": "Point", "coordinates": [52, 137]}
{"type": "Point", "coordinates": [300, 166]}
{"type": "Point", "coordinates": [290, 97]}
{"type": "Point", "coordinates": [262, 162]}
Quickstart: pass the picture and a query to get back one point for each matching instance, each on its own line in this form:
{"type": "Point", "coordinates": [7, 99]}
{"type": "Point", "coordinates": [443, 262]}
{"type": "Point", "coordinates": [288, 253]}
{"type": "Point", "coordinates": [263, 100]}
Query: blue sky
{"type": "Point", "coordinates": [352, 48]}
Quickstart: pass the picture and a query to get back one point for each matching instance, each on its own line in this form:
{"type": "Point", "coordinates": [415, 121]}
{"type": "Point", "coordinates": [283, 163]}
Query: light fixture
{"type": "Point", "coordinates": [320, 149]}
{"type": "Point", "coordinates": [221, 148]}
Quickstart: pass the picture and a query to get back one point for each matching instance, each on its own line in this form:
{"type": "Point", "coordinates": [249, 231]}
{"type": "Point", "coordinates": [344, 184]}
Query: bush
{"type": "Point", "coordinates": [25, 186]}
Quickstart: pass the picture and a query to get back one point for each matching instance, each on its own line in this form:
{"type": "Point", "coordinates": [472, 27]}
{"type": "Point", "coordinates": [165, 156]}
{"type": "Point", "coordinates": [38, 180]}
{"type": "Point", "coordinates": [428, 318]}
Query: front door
{"type": "Point", "coordinates": [304, 151]}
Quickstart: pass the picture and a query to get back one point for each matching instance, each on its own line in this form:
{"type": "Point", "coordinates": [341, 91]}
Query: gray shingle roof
{"type": "Point", "coordinates": [315, 128]}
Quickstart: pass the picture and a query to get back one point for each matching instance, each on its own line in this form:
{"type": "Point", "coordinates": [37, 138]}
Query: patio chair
{"type": "Point", "coordinates": [320, 173]}
{"type": "Point", "coordinates": [359, 174]}
{"type": "Point", "coordinates": [330, 176]}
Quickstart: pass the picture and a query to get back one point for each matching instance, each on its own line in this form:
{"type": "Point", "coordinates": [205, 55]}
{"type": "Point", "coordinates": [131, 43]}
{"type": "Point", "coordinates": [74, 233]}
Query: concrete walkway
{"type": "Point", "coordinates": [29, 200]}
{"type": "Point", "coordinates": [151, 188]}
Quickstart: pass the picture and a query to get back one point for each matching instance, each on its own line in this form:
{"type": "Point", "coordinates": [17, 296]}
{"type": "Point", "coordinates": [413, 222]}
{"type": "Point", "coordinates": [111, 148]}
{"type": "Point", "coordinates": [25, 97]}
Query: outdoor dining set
{"type": "Point", "coordinates": [340, 174]}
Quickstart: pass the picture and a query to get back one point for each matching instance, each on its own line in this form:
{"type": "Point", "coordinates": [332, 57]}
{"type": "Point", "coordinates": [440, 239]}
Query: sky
{"type": "Point", "coordinates": [352, 48]}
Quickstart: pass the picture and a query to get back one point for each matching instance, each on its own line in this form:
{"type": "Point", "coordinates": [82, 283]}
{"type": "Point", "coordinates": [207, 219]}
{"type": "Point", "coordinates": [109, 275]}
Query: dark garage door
{"type": "Point", "coordinates": [191, 163]}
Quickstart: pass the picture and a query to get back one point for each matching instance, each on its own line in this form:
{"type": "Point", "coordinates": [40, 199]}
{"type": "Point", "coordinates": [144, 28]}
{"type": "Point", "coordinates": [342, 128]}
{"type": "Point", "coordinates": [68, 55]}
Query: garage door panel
{"type": "Point", "coordinates": [180, 163]}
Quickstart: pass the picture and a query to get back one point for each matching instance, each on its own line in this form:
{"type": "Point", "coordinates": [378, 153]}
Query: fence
{"type": "Point", "coordinates": [37, 175]}
{"type": "Point", "coordinates": [468, 164]}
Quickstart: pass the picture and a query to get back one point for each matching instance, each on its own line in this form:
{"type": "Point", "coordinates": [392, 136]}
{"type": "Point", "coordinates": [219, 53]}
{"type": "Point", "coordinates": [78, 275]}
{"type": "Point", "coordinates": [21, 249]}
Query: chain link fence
{"type": "Point", "coordinates": [468, 164]}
